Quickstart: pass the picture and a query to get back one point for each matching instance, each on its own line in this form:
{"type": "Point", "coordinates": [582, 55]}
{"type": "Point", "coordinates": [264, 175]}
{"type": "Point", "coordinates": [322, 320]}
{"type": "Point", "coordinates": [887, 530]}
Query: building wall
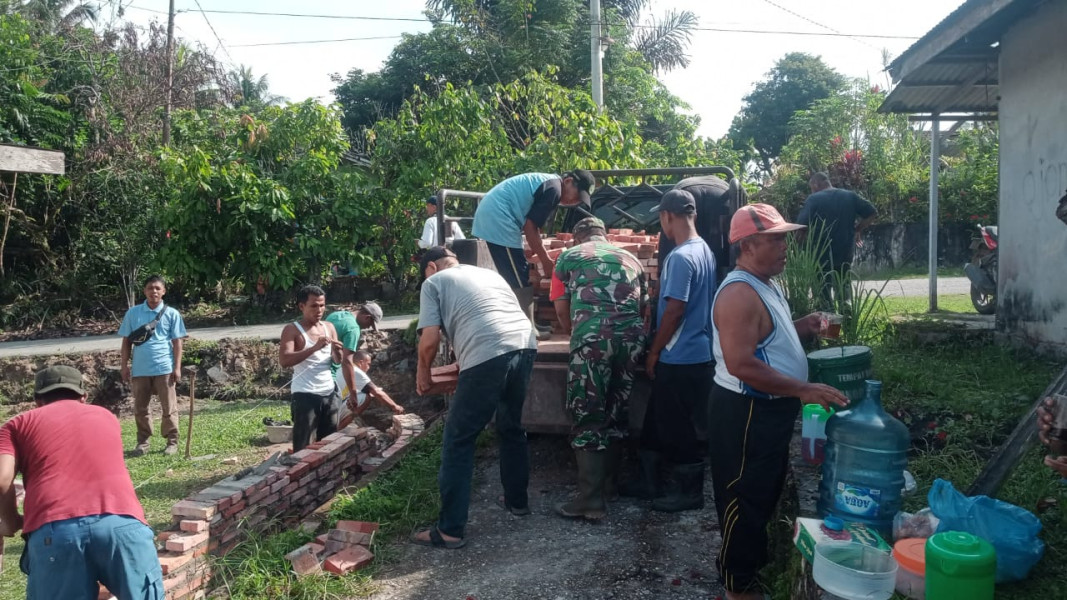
{"type": "Point", "coordinates": [1032, 303]}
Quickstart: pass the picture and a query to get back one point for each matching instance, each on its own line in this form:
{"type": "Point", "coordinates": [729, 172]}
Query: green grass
{"type": "Point", "coordinates": [918, 305]}
{"type": "Point", "coordinates": [909, 272]}
{"type": "Point", "coordinates": [231, 429]}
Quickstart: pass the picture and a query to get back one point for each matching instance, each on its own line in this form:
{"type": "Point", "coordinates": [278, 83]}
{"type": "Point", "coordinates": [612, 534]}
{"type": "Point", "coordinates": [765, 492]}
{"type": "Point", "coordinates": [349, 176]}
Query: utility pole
{"type": "Point", "coordinates": [595, 48]}
{"type": "Point", "coordinates": [935, 164]}
{"type": "Point", "coordinates": [170, 74]}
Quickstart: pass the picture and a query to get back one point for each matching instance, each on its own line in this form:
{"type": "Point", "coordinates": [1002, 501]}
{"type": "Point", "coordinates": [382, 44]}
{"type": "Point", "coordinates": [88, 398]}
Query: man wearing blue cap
{"type": "Point", "coordinates": [429, 229]}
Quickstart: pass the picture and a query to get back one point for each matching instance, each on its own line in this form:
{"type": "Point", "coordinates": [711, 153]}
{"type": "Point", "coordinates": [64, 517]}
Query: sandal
{"type": "Point", "coordinates": [438, 541]}
{"type": "Point", "coordinates": [518, 512]}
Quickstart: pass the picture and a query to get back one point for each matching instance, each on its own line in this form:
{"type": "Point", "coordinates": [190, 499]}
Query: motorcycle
{"type": "Point", "coordinates": [982, 270]}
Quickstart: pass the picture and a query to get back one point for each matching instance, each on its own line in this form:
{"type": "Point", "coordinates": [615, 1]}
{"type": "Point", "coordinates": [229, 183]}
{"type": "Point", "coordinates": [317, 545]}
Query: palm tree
{"type": "Point", "coordinates": [247, 90]}
{"type": "Point", "coordinates": [59, 15]}
{"type": "Point", "coordinates": [663, 42]}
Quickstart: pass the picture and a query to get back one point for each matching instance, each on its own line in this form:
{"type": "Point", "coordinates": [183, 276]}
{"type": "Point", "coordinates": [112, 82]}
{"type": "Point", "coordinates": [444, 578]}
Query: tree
{"type": "Point", "coordinates": [58, 15]}
{"type": "Point", "coordinates": [244, 89]}
{"type": "Point", "coordinates": [762, 127]}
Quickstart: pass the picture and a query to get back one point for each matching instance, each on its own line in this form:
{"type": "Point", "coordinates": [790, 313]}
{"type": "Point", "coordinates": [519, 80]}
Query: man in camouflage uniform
{"type": "Point", "coordinates": [598, 290]}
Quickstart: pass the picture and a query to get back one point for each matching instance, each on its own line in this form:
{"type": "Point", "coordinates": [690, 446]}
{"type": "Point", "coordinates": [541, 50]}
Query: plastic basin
{"type": "Point", "coordinates": [853, 571]}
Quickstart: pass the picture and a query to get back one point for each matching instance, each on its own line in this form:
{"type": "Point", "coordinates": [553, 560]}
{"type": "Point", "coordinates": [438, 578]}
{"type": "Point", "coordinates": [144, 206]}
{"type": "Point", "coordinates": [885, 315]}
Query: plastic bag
{"type": "Point", "coordinates": [1012, 530]}
{"type": "Point", "coordinates": [922, 524]}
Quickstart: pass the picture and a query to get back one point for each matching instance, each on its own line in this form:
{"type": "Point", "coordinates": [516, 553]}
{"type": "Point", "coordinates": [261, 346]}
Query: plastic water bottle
{"type": "Point", "coordinates": [863, 471]}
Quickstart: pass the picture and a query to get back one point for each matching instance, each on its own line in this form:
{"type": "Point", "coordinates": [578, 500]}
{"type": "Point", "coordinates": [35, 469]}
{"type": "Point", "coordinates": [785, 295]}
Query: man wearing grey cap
{"type": "Point", "coordinates": [82, 521]}
{"type": "Point", "coordinates": [349, 329]}
{"type": "Point", "coordinates": [679, 359]}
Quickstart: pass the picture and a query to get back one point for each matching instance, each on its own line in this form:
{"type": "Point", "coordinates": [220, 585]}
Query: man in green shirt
{"type": "Point", "coordinates": [598, 290]}
{"type": "Point", "coordinates": [349, 326]}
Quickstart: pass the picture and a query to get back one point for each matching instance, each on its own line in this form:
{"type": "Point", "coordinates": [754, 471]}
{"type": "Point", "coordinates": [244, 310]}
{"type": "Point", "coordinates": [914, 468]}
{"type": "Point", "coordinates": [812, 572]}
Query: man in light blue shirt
{"type": "Point", "coordinates": [680, 360]}
{"type": "Point", "coordinates": [153, 332]}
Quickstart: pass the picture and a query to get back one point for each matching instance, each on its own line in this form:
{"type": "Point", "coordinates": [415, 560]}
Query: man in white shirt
{"type": "Point", "coordinates": [365, 388]}
{"type": "Point", "coordinates": [429, 230]}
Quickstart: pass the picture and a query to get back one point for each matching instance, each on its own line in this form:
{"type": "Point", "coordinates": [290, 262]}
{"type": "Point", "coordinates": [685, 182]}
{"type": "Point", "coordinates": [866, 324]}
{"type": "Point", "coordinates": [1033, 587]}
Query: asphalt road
{"type": "Point", "coordinates": [97, 343]}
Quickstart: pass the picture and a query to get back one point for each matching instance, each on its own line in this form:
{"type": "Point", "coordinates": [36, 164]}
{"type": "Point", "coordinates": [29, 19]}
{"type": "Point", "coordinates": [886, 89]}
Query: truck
{"type": "Point", "coordinates": [622, 201]}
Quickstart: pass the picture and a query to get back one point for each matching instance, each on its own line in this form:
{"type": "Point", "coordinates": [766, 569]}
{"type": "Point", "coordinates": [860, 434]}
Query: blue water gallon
{"type": "Point", "coordinates": [863, 470]}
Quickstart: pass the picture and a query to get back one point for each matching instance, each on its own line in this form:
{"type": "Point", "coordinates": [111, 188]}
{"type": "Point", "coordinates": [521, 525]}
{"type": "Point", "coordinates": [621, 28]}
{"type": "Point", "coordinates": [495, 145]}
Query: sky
{"type": "Point", "coordinates": [723, 65]}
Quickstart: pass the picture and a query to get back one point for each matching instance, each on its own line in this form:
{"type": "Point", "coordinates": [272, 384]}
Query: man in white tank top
{"type": "Point", "coordinates": [761, 377]}
{"type": "Point", "coordinates": [310, 347]}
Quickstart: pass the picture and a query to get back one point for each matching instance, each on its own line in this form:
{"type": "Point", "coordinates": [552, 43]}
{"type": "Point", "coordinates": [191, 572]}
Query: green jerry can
{"type": "Point", "coordinates": [959, 566]}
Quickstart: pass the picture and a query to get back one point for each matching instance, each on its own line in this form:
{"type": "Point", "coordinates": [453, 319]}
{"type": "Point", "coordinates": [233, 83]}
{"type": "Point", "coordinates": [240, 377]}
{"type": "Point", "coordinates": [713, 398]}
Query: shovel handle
{"type": "Point", "coordinates": [192, 400]}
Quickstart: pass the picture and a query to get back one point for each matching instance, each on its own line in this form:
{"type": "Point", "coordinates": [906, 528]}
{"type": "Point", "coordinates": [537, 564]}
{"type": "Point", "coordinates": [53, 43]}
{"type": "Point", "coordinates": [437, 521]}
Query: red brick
{"type": "Point", "coordinates": [315, 445]}
{"type": "Point", "coordinates": [351, 537]}
{"type": "Point", "coordinates": [193, 526]}
{"type": "Point", "coordinates": [315, 459]}
{"type": "Point", "coordinates": [297, 470]}
{"type": "Point", "coordinates": [185, 543]}
{"type": "Point", "coordinates": [302, 454]}
{"type": "Point", "coordinates": [289, 489]}
{"type": "Point", "coordinates": [350, 559]}
{"type": "Point", "coordinates": [279, 485]}
{"type": "Point", "coordinates": [236, 508]}
{"type": "Point", "coordinates": [304, 561]}
{"type": "Point", "coordinates": [169, 583]}
{"type": "Point", "coordinates": [164, 535]}
{"type": "Point", "coordinates": [172, 561]}
{"type": "Point", "coordinates": [357, 526]}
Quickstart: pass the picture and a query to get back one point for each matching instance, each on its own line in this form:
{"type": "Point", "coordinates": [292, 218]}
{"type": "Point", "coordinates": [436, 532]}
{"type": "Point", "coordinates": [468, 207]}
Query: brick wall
{"type": "Point", "coordinates": [213, 521]}
{"type": "Point", "coordinates": [644, 247]}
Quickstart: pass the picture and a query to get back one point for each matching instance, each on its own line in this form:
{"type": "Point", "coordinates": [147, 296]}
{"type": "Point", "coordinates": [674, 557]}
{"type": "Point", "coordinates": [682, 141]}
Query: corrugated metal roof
{"type": "Point", "coordinates": [954, 67]}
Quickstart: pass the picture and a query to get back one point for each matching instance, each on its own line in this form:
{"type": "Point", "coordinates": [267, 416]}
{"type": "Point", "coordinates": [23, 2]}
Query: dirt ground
{"type": "Point", "coordinates": [633, 553]}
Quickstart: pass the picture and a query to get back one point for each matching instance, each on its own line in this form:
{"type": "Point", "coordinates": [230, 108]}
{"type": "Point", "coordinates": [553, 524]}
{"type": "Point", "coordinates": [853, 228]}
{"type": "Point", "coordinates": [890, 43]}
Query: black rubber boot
{"type": "Point", "coordinates": [646, 485]}
{"type": "Point", "coordinates": [687, 493]}
{"type": "Point", "coordinates": [611, 479]}
{"type": "Point", "coordinates": [589, 503]}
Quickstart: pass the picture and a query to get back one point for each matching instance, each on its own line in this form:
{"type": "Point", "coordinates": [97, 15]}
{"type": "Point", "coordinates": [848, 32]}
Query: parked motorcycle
{"type": "Point", "coordinates": [982, 270]}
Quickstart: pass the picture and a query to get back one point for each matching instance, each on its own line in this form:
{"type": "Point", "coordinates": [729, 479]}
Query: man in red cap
{"type": "Point", "coordinates": [761, 379]}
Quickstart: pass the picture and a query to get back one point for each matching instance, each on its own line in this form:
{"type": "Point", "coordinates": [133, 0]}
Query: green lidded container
{"type": "Point", "coordinates": [842, 367]}
{"type": "Point", "coordinates": [959, 566]}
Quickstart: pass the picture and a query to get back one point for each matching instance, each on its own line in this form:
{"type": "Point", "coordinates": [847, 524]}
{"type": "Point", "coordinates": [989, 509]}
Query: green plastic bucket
{"type": "Point", "coordinates": [843, 367]}
{"type": "Point", "coordinates": [959, 566]}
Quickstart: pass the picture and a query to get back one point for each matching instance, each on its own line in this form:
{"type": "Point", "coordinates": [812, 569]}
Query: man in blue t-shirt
{"type": "Point", "coordinates": [521, 206]}
{"type": "Point", "coordinates": [157, 363]}
{"type": "Point", "coordinates": [679, 360]}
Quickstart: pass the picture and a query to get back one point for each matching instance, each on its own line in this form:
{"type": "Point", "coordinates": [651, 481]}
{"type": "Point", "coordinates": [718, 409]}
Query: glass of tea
{"type": "Point", "coordinates": [830, 325]}
{"type": "Point", "coordinates": [1057, 435]}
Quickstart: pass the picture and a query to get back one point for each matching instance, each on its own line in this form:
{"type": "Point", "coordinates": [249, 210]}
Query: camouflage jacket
{"type": "Point", "coordinates": [605, 286]}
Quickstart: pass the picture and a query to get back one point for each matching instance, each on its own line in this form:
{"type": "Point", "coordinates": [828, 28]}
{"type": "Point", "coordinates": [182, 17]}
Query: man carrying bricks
{"type": "Point", "coordinates": [679, 359]}
{"type": "Point", "coordinates": [310, 346]}
{"type": "Point", "coordinates": [598, 292]}
{"type": "Point", "coordinates": [83, 523]}
{"type": "Point", "coordinates": [153, 332]}
{"type": "Point", "coordinates": [519, 207]}
{"type": "Point", "coordinates": [495, 349]}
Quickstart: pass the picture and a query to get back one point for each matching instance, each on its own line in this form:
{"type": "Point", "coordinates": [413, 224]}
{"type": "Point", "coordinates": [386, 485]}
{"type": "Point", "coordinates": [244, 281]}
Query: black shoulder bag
{"type": "Point", "coordinates": [145, 332]}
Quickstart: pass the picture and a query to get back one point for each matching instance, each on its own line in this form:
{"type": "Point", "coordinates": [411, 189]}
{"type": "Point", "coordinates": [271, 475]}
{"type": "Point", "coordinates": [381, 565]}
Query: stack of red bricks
{"type": "Point", "coordinates": [342, 550]}
{"type": "Point", "coordinates": [211, 521]}
{"type": "Point", "coordinates": [644, 247]}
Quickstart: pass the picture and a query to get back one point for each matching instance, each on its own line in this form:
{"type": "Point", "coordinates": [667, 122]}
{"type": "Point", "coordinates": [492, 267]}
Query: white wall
{"type": "Point", "coordinates": [1032, 302]}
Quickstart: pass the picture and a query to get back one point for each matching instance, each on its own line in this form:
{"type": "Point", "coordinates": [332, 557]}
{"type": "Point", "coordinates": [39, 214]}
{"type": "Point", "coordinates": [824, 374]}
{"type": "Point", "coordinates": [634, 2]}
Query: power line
{"type": "Point", "coordinates": [215, 33]}
{"type": "Point", "coordinates": [316, 16]}
{"type": "Point", "coordinates": [295, 42]}
{"type": "Point", "coordinates": [814, 22]}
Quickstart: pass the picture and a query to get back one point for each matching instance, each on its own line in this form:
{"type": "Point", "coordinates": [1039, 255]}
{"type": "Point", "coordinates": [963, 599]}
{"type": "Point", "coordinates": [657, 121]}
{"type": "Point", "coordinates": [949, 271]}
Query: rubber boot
{"type": "Point", "coordinates": [646, 485]}
{"type": "Point", "coordinates": [687, 491]}
{"type": "Point", "coordinates": [589, 503]}
{"type": "Point", "coordinates": [528, 301]}
{"type": "Point", "coordinates": [611, 480]}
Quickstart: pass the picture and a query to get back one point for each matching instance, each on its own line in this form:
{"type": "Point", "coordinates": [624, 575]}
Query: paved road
{"type": "Point", "coordinates": [77, 345]}
{"type": "Point", "coordinates": [921, 287]}
{"type": "Point", "coordinates": [97, 343]}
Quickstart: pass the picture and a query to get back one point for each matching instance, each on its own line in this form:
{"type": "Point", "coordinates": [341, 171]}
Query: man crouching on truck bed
{"type": "Point", "coordinates": [597, 289]}
{"type": "Point", "coordinates": [495, 348]}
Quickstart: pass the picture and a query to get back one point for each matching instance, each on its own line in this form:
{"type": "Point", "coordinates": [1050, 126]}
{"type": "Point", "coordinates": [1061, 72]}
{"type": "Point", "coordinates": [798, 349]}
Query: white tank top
{"type": "Point", "coordinates": [781, 349]}
{"type": "Point", "coordinates": [312, 375]}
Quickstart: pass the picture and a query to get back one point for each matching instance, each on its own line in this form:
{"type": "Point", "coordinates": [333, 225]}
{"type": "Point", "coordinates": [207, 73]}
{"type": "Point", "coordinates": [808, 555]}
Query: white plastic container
{"type": "Point", "coordinates": [279, 434]}
{"type": "Point", "coordinates": [910, 555]}
{"type": "Point", "coordinates": [853, 571]}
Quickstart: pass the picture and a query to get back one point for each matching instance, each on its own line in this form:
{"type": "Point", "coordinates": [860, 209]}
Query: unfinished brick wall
{"type": "Point", "coordinates": [644, 247]}
{"type": "Point", "coordinates": [212, 522]}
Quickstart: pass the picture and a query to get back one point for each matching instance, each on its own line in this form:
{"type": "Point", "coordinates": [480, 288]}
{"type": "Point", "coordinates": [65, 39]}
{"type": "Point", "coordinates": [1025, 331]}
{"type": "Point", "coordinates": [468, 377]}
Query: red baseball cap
{"type": "Point", "coordinates": [752, 219]}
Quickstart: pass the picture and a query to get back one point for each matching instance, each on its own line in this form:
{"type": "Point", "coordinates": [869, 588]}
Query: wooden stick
{"type": "Point", "coordinates": [191, 371]}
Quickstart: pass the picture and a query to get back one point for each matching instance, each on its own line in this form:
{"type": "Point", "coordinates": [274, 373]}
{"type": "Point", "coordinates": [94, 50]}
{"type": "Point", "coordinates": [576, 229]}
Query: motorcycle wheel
{"type": "Point", "coordinates": [985, 304]}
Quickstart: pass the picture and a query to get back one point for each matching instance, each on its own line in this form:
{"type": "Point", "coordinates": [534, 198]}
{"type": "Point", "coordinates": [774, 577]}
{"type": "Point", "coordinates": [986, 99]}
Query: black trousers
{"type": "Point", "coordinates": [749, 443]}
{"type": "Point", "coordinates": [679, 395]}
{"type": "Point", "coordinates": [313, 412]}
{"type": "Point", "coordinates": [511, 263]}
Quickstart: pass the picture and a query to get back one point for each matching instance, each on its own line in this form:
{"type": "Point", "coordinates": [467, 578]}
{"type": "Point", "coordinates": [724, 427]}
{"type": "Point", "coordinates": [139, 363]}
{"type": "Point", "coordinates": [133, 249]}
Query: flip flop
{"type": "Point", "coordinates": [438, 541]}
{"type": "Point", "coordinates": [518, 512]}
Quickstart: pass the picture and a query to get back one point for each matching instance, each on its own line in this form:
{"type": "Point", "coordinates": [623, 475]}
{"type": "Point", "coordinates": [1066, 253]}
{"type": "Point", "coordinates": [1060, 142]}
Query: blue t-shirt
{"type": "Point", "coordinates": [156, 356]}
{"type": "Point", "coordinates": [503, 211]}
{"type": "Point", "coordinates": [689, 275]}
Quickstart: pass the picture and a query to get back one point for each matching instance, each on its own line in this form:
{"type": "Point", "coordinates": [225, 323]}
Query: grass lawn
{"type": "Point", "coordinates": [225, 429]}
{"type": "Point", "coordinates": [916, 306]}
{"type": "Point", "coordinates": [910, 272]}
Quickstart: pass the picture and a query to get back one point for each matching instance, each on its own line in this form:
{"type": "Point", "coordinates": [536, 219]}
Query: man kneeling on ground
{"type": "Point", "coordinates": [495, 349]}
{"type": "Point", "coordinates": [362, 389]}
{"type": "Point", "coordinates": [83, 523]}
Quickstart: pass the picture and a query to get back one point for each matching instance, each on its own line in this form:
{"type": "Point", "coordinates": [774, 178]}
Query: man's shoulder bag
{"type": "Point", "coordinates": [145, 332]}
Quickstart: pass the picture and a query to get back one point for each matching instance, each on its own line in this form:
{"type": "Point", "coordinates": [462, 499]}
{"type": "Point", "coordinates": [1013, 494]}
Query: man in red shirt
{"type": "Point", "coordinates": [82, 521]}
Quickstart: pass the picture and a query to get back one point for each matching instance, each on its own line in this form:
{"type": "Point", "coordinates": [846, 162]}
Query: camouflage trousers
{"type": "Point", "coordinates": [600, 378]}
